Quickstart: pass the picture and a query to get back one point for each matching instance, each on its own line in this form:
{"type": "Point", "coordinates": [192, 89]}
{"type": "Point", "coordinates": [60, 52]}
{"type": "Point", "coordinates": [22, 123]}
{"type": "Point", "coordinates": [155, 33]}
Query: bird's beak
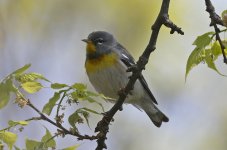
{"type": "Point", "coordinates": [85, 40]}
{"type": "Point", "coordinates": [90, 46]}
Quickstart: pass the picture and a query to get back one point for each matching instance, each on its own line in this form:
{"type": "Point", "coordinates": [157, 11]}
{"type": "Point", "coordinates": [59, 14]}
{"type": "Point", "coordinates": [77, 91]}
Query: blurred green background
{"type": "Point", "coordinates": [48, 35]}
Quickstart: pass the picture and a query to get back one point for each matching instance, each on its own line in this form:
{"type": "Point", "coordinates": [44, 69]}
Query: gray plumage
{"type": "Point", "coordinates": [110, 80]}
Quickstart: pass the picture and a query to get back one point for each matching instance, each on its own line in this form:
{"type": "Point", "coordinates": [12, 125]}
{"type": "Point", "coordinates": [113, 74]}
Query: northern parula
{"type": "Point", "coordinates": [106, 64]}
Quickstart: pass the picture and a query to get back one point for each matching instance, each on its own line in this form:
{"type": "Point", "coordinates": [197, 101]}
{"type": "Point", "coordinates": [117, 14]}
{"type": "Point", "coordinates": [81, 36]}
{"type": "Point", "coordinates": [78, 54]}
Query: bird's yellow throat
{"type": "Point", "coordinates": [99, 63]}
{"type": "Point", "coordinates": [90, 47]}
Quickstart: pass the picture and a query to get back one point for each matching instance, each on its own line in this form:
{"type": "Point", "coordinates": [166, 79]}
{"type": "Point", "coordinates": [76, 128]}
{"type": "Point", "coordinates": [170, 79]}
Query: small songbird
{"type": "Point", "coordinates": [106, 64]}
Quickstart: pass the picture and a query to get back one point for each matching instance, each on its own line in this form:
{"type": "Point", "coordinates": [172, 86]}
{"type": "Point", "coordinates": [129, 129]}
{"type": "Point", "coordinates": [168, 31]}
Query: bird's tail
{"type": "Point", "coordinates": [156, 116]}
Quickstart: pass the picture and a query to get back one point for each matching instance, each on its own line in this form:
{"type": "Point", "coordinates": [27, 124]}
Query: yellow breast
{"type": "Point", "coordinates": [102, 62]}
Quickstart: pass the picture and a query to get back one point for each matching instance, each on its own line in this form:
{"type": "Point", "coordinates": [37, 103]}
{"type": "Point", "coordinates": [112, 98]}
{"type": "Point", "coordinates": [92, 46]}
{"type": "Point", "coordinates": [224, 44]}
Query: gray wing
{"type": "Point", "coordinates": [128, 60]}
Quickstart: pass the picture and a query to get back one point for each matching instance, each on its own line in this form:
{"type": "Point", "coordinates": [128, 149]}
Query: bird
{"type": "Point", "coordinates": [106, 64]}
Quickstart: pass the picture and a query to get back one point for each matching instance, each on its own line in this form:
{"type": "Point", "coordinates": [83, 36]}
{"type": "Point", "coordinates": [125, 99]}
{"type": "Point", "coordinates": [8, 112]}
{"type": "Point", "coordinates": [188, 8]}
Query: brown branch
{"type": "Point", "coordinates": [58, 117]}
{"type": "Point", "coordinates": [63, 129]}
{"type": "Point", "coordinates": [216, 20]}
{"type": "Point", "coordinates": [162, 19]}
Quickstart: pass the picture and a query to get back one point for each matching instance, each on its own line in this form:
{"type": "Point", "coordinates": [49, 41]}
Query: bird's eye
{"type": "Point", "coordinates": [100, 41]}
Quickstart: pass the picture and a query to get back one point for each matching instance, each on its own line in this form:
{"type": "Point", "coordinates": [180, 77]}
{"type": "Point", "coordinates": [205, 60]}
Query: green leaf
{"type": "Point", "coordinates": [90, 110]}
{"type": "Point", "coordinates": [203, 40]}
{"type": "Point", "coordinates": [5, 89]}
{"type": "Point", "coordinates": [196, 57]}
{"type": "Point", "coordinates": [21, 70]}
{"type": "Point", "coordinates": [72, 147]}
{"type": "Point", "coordinates": [210, 62]}
{"type": "Point", "coordinates": [14, 123]}
{"type": "Point", "coordinates": [85, 115]}
{"type": "Point", "coordinates": [29, 77]}
{"type": "Point", "coordinates": [89, 93]}
{"type": "Point", "coordinates": [224, 17]}
{"type": "Point", "coordinates": [225, 44]}
{"type": "Point", "coordinates": [4, 96]}
{"type": "Point", "coordinates": [32, 144]}
{"type": "Point", "coordinates": [31, 87]}
{"type": "Point", "coordinates": [216, 50]}
{"type": "Point", "coordinates": [75, 118]}
{"type": "Point", "coordinates": [79, 95]}
{"type": "Point", "coordinates": [9, 85]}
{"type": "Point", "coordinates": [9, 138]}
{"type": "Point", "coordinates": [91, 100]}
{"type": "Point", "coordinates": [79, 86]}
{"type": "Point", "coordinates": [58, 86]}
{"type": "Point", "coordinates": [48, 140]}
{"type": "Point", "coordinates": [84, 96]}
{"type": "Point", "coordinates": [107, 98]}
{"type": "Point", "coordinates": [47, 109]}
{"type": "Point", "coordinates": [85, 112]}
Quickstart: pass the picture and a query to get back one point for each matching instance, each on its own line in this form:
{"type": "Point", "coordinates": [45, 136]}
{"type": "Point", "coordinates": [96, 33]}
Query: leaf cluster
{"type": "Point", "coordinates": [207, 51]}
{"type": "Point", "coordinates": [20, 83]}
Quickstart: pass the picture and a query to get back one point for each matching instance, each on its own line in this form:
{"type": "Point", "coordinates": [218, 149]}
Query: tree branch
{"type": "Point", "coordinates": [63, 129]}
{"type": "Point", "coordinates": [216, 20]}
{"type": "Point", "coordinates": [162, 19]}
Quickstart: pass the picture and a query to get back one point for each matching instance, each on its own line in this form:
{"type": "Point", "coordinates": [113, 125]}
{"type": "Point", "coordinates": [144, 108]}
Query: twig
{"type": "Point", "coordinates": [162, 19]}
{"type": "Point", "coordinates": [57, 117]}
{"type": "Point", "coordinates": [63, 129]}
{"type": "Point", "coordinates": [59, 104]}
{"type": "Point", "coordinates": [30, 119]}
{"type": "Point", "coordinates": [215, 20]}
{"type": "Point", "coordinates": [48, 140]}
